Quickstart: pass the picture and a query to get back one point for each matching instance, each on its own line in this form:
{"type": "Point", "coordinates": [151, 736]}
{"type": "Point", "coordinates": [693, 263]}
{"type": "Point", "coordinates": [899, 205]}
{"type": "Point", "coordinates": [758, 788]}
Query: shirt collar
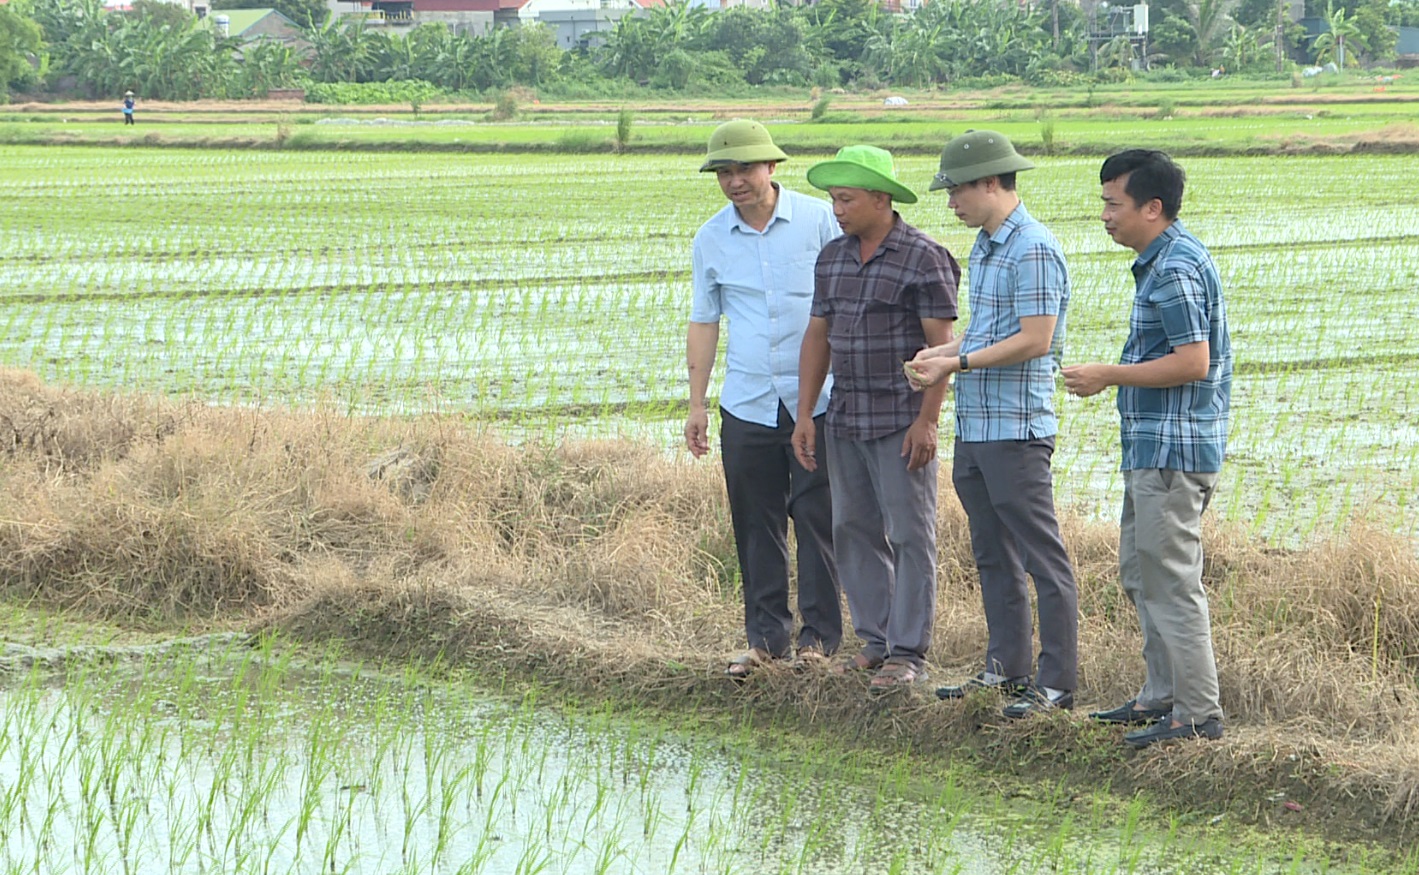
{"type": "Point", "coordinates": [1168, 235]}
{"type": "Point", "coordinates": [893, 240]}
{"type": "Point", "coordinates": [783, 209]}
{"type": "Point", "coordinates": [1017, 217]}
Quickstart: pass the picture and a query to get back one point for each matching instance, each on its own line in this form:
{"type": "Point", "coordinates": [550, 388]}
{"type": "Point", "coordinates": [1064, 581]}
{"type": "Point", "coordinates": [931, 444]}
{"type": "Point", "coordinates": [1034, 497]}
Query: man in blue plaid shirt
{"type": "Point", "coordinates": [1174, 392]}
{"type": "Point", "coordinates": [1005, 366]}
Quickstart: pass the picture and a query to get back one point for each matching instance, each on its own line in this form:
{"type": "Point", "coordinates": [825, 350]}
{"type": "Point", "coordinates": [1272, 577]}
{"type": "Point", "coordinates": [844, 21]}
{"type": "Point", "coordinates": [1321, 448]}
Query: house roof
{"type": "Point", "coordinates": [466, 5]}
{"type": "Point", "coordinates": [241, 20]}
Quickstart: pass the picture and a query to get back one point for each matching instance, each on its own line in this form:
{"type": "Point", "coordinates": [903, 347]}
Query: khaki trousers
{"type": "Point", "coordinates": [1160, 564]}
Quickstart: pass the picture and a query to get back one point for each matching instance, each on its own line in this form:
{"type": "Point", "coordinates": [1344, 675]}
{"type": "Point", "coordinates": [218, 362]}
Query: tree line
{"type": "Point", "coordinates": [163, 52]}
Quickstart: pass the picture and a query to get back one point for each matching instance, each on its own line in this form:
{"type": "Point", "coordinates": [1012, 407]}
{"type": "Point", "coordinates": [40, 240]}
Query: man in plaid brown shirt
{"type": "Point", "coordinates": [882, 291]}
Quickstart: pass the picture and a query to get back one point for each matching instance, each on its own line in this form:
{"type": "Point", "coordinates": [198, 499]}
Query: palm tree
{"type": "Point", "coordinates": [1210, 19]}
{"type": "Point", "coordinates": [1331, 44]}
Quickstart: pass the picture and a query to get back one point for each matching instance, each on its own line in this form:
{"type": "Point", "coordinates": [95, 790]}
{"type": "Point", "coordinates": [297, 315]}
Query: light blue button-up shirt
{"type": "Point", "coordinates": [1017, 271]}
{"type": "Point", "coordinates": [762, 282]}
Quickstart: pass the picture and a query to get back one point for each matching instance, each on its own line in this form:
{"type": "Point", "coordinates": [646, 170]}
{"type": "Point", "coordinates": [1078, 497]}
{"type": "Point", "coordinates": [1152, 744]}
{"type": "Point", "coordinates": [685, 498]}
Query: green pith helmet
{"type": "Point", "coordinates": [865, 167]}
{"type": "Point", "coordinates": [976, 155]}
{"type": "Point", "coordinates": [742, 141]}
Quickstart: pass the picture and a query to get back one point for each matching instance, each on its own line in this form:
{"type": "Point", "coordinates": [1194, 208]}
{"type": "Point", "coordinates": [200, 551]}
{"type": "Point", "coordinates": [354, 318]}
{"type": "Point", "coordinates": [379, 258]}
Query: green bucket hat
{"type": "Point", "coordinates": [866, 167]}
{"type": "Point", "coordinates": [976, 155]}
{"type": "Point", "coordinates": [742, 141]}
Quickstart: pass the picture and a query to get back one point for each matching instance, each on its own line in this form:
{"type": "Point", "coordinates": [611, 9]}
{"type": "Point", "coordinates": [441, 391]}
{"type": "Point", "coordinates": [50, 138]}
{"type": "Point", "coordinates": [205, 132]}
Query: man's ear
{"type": "Point", "coordinates": [1153, 210]}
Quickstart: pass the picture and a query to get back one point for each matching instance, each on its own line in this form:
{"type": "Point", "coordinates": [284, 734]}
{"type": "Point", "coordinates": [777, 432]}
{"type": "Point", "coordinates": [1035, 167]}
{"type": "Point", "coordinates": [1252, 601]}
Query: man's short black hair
{"type": "Point", "coordinates": [1007, 180]}
{"type": "Point", "coordinates": [1151, 174]}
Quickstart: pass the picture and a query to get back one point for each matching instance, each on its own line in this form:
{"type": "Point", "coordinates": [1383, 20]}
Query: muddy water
{"type": "Point", "coordinates": [209, 756]}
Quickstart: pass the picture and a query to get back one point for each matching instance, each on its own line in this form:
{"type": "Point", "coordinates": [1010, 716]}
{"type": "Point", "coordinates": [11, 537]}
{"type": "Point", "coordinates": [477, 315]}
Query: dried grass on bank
{"type": "Point", "coordinates": [607, 569]}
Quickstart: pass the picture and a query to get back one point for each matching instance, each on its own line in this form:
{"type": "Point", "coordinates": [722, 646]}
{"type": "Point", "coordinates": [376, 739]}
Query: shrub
{"type": "Point", "coordinates": [624, 120]}
{"type": "Point", "coordinates": [504, 108]}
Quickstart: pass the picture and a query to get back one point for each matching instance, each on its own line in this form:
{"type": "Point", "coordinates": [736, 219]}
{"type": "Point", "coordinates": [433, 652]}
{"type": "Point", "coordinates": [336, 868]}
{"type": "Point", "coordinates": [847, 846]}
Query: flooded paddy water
{"type": "Point", "coordinates": [212, 755]}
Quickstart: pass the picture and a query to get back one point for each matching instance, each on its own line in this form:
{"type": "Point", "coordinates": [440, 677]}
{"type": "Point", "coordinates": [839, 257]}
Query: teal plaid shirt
{"type": "Point", "coordinates": [1178, 301]}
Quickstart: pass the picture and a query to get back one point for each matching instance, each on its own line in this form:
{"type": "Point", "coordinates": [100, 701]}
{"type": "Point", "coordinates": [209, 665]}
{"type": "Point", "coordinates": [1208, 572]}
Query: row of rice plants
{"type": "Point", "coordinates": [239, 762]}
{"type": "Point", "coordinates": [549, 294]}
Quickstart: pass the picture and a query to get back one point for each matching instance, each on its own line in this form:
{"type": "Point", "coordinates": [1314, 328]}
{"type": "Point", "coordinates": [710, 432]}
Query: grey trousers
{"type": "Point", "coordinates": [1160, 563]}
{"type": "Point", "coordinates": [766, 488]}
{"type": "Point", "coordinates": [1008, 492]}
{"type": "Point", "coordinates": [884, 536]}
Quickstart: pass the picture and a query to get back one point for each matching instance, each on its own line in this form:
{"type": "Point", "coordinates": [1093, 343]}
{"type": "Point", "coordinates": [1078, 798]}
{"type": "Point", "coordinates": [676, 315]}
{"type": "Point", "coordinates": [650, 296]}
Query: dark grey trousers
{"type": "Point", "coordinates": [766, 488]}
{"type": "Point", "coordinates": [884, 530]}
{"type": "Point", "coordinates": [1008, 493]}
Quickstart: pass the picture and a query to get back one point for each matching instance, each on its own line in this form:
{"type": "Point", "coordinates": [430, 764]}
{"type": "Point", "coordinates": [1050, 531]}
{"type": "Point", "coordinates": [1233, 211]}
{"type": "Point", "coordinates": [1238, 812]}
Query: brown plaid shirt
{"type": "Point", "coordinates": [874, 314]}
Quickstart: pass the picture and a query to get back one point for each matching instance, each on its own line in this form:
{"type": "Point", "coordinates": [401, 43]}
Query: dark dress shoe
{"type": "Point", "coordinates": [1128, 715]}
{"type": "Point", "coordinates": [1036, 701]}
{"type": "Point", "coordinates": [1166, 731]}
{"type": "Point", "coordinates": [1007, 687]}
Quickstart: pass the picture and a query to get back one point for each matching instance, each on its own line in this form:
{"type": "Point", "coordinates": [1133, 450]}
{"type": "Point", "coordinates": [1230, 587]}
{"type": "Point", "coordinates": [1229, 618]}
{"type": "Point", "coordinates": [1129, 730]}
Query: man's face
{"type": "Point", "coordinates": [1128, 223]}
{"type": "Point", "coordinates": [968, 202]}
{"type": "Point", "coordinates": [746, 185]}
{"type": "Point", "coordinates": [856, 209]}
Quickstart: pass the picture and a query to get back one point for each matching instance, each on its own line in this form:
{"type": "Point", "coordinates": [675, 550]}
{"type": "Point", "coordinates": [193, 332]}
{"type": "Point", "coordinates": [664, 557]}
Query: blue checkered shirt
{"type": "Point", "coordinates": [1178, 301]}
{"type": "Point", "coordinates": [874, 312]}
{"type": "Point", "coordinates": [1017, 271]}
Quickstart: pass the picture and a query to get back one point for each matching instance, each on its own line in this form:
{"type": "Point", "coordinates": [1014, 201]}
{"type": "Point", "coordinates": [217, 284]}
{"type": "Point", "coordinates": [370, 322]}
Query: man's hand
{"type": "Point", "coordinates": [805, 442]}
{"type": "Point", "coordinates": [697, 432]}
{"type": "Point", "coordinates": [1085, 380]}
{"type": "Point", "coordinates": [919, 445]}
{"type": "Point", "coordinates": [928, 369]}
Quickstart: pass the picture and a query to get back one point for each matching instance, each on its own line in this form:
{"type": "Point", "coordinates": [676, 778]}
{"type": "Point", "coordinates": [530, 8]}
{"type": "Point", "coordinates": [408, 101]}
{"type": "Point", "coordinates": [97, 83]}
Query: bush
{"type": "Point", "coordinates": [624, 120]}
{"type": "Point", "coordinates": [504, 108]}
{"type": "Point", "coordinates": [819, 108]}
{"type": "Point", "coordinates": [581, 141]}
{"type": "Point", "coordinates": [408, 91]}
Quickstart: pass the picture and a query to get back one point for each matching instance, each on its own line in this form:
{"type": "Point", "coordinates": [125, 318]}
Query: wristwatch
{"type": "Point", "coordinates": [965, 363]}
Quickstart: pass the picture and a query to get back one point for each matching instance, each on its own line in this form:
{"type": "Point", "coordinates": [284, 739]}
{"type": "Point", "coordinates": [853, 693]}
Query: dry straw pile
{"type": "Point", "coordinates": [607, 570]}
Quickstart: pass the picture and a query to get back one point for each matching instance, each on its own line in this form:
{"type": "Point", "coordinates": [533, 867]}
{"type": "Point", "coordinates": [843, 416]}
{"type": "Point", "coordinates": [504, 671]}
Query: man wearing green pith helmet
{"type": "Point", "coordinates": [753, 265]}
{"type": "Point", "coordinates": [882, 291]}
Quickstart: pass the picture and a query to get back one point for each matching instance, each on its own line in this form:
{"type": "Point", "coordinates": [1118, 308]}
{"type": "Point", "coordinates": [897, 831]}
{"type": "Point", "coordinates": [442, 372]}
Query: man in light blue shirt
{"type": "Point", "coordinates": [753, 265]}
{"type": "Point", "coordinates": [1005, 367]}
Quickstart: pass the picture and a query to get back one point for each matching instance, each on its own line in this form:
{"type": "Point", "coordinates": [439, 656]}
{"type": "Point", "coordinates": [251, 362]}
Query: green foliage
{"type": "Point", "coordinates": [268, 64]}
{"type": "Point", "coordinates": [1341, 33]}
{"type": "Point", "coordinates": [677, 47]}
{"type": "Point", "coordinates": [625, 119]}
{"type": "Point", "coordinates": [160, 14]}
{"type": "Point", "coordinates": [505, 107]}
{"type": "Point", "coordinates": [1174, 39]}
{"type": "Point", "coordinates": [820, 106]}
{"type": "Point", "coordinates": [768, 47]}
{"type": "Point", "coordinates": [20, 39]}
{"type": "Point", "coordinates": [365, 93]}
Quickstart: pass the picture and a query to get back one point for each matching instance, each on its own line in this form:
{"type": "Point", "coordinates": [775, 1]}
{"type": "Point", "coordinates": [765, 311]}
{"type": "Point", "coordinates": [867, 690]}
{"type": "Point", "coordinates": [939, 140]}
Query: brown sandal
{"type": "Point", "coordinates": [743, 665]}
{"type": "Point", "coordinates": [895, 676]}
{"type": "Point", "coordinates": [856, 663]}
{"type": "Point", "coordinates": [809, 657]}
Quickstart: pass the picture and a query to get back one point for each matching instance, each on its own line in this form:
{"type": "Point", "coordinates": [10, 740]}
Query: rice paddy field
{"type": "Point", "coordinates": [214, 755]}
{"type": "Point", "coordinates": [546, 295]}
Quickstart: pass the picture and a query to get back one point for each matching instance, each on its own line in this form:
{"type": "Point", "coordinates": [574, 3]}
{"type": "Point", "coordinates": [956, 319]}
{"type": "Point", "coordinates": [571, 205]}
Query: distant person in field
{"type": "Point", "coordinates": [1174, 384]}
{"type": "Point", "coordinates": [128, 108]}
{"type": "Point", "coordinates": [882, 291]}
{"type": "Point", "coordinates": [753, 264]}
{"type": "Point", "coordinates": [1005, 365]}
